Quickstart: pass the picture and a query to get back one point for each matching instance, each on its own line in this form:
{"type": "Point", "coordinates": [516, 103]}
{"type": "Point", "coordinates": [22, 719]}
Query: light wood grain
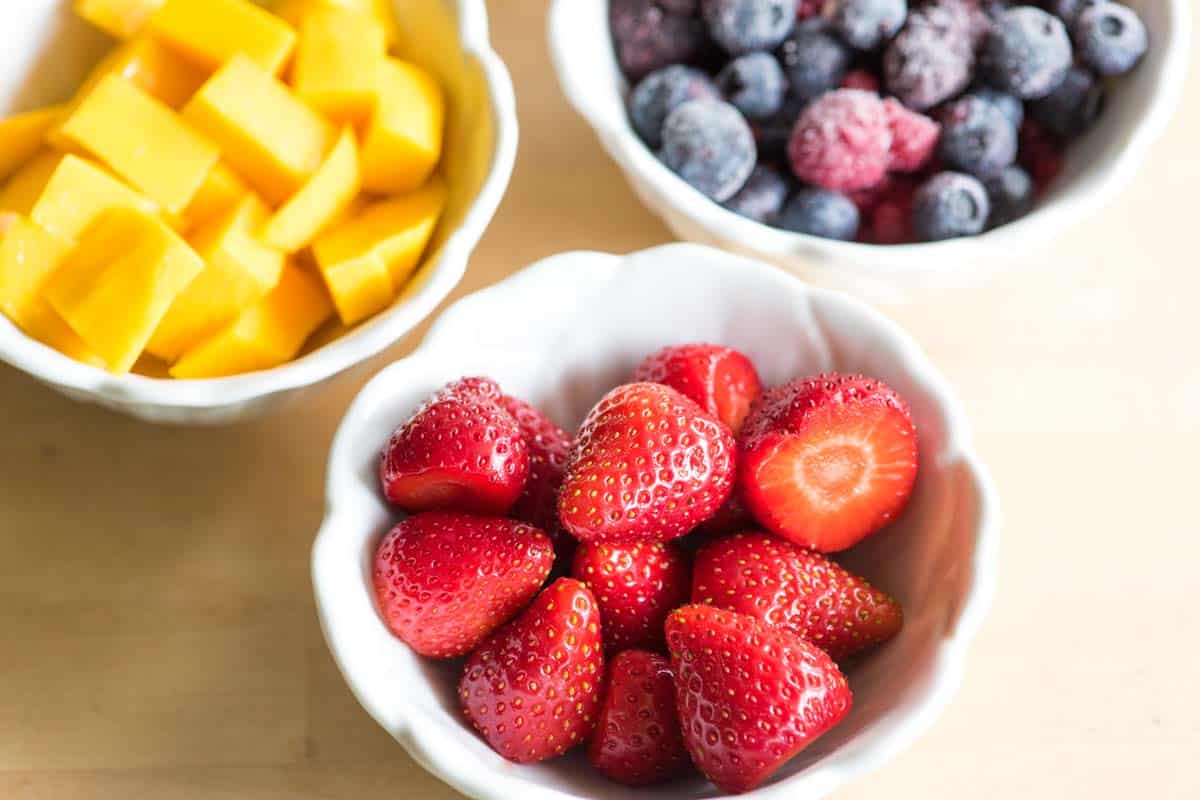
{"type": "Point", "coordinates": [158, 633]}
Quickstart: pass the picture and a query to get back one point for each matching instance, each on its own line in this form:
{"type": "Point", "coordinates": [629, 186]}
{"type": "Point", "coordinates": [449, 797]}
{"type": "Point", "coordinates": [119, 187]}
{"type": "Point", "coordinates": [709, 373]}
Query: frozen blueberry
{"type": "Point", "coordinates": [772, 134]}
{"type": "Point", "coordinates": [754, 84]}
{"type": "Point", "coordinates": [820, 212]}
{"type": "Point", "coordinates": [948, 205]}
{"type": "Point", "coordinates": [1110, 38]}
{"type": "Point", "coordinates": [976, 137]}
{"type": "Point", "coordinates": [743, 26]}
{"type": "Point", "coordinates": [1068, 10]}
{"type": "Point", "coordinates": [708, 143]}
{"type": "Point", "coordinates": [1027, 53]}
{"type": "Point", "coordinates": [866, 24]}
{"type": "Point", "coordinates": [650, 34]}
{"type": "Point", "coordinates": [762, 197]}
{"type": "Point", "coordinates": [659, 93]}
{"type": "Point", "coordinates": [814, 59]}
{"type": "Point", "coordinates": [930, 60]}
{"type": "Point", "coordinates": [1071, 108]}
{"type": "Point", "coordinates": [1009, 106]}
{"type": "Point", "coordinates": [1011, 193]}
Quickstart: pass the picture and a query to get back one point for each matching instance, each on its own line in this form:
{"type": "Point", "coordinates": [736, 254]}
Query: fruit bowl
{"type": "Point", "coordinates": [1098, 166]}
{"type": "Point", "coordinates": [54, 51]}
{"type": "Point", "coordinates": [560, 334]}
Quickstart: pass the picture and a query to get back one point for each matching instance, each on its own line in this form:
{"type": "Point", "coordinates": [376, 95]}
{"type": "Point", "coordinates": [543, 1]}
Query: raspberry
{"type": "Point", "coordinates": [861, 79]}
{"type": "Point", "coordinates": [842, 141]}
{"type": "Point", "coordinates": [889, 217]}
{"type": "Point", "coordinates": [1040, 154]}
{"type": "Point", "coordinates": [914, 137]}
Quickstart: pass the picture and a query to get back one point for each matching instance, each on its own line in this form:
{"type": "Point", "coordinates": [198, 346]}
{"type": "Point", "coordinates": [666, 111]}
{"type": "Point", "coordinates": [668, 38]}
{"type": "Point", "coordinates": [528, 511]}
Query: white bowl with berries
{"type": "Point", "coordinates": [881, 146]}
{"type": "Point", "coordinates": [559, 612]}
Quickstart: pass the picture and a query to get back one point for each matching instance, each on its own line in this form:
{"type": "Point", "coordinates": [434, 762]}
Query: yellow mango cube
{"type": "Point", "coordinates": [21, 137]}
{"type": "Point", "coordinates": [268, 334]}
{"type": "Point", "coordinates": [321, 202]}
{"type": "Point", "coordinates": [73, 194]}
{"type": "Point", "coordinates": [379, 11]}
{"type": "Point", "coordinates": [120, 18]}
{"type": "Point", "coordinates": [360, 287]}
{"type": "Point", "coordinates": [221, 191]}
{"type": "Point", "coordinates": [22, 191]}
{"type": "Point", "coordinates": [116, 286]}
{"type": "Point", "coordinates": [403, 142]}
{"type": "Point", "coordinates": [211, 32]}
{"type": "Point", "coordinates": [143, 141]}
{"type": "Point", "coordinates": [338, 60]}
{"type": "Point", "coordinates": [238, 271]}
{"type": "Point", "coordinates": [273, 140]}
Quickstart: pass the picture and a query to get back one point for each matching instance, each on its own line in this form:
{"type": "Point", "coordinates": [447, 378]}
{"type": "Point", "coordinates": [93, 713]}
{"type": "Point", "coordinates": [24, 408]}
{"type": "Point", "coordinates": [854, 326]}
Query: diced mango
{"type": "Point", "coordinates": [116, 286]}
{"type": "Point", "coordinates": [220, 192]}
{"type": "Point", "coordinates": [143, 141]}
{"type": "Point", "coordinates": [267, 334]}
{"type": "Point", "coordinates": [397, 230]}
{"type": "Point", "coordinates": [338, 60]}
{"type": "Point", "coordinates": [360, 287]}
{"type": "Point", "coordinates": [21, 137]}
{"type": "Point", "coordinates": [321, 202]}
{"type": "Point", "coordinates": [213, 31]}
{"type": "Point", "coordinates": [292, 12]}
{"type": "Point", "coordinates": [120, 18]}
{"type": "Point", "coordinates": [22, 191]}
{"type": "Point", "coordinates": [403, 141]}
{"type": "Point", "coordinates": [238, 271]}
{"type": "Point", "coordinates": [272, 139]}
{"type": "Point", "coordinates": [75, 193]}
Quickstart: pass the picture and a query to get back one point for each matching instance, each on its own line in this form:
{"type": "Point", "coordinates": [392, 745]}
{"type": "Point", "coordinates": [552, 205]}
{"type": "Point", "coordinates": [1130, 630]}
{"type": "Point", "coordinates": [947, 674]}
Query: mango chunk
{"type": "Point", "coordinates": [143, 141]}
{"type": "Point", "coordinates": [238, 271]}
{"type": "Point", "coordinates": [116, 286]}
{"type": "Point", "coordinates": [360, 287]}
{"type": "Point", "coordinates": [268, 334]}
{"type": "Point", "coordinates": [403, 141]}
{"type": "Point", "coordinates": [379, 11]}
{"type": "Point", "coordinates": [220, 192]}
{"type": "Point", "coordinates": [338, 60]}
{"type": "Point", "coordinates": [397, 230]}
{"type": "Point", "coordinates": [74, 194]}
{"type": "Point", "coordinates": [120, 18]}
{"type": "Point", "coordinates": [21, 137]}
{"type": "Point", "coordinates": [22, 191]}
{"type": "Point", "coordinates": [272, 139]}
{"type": "Point", "coordinates": [321, 202]}
{"type": "Point", "coordinates": [213, 31]}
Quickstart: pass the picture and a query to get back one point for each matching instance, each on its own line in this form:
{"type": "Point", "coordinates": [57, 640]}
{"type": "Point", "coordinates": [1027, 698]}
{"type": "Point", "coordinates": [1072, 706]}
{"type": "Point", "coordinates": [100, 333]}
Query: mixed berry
{"type": "Point", "coordinates": [878, 121]}
{"type": "Point", "coordinates": [660, 587]}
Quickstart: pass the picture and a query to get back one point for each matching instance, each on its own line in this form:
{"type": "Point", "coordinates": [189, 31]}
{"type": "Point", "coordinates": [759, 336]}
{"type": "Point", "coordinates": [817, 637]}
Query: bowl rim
{"type": "Point", "coordinates": [867, 261]}
{"type": "Point", "coordinates": [894, 732]}
{"type": "Point", "coordinates": [444, 273]}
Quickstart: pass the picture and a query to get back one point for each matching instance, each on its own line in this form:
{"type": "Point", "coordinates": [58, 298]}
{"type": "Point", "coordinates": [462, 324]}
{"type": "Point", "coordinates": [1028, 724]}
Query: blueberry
{"type": "Point", "coordinates": [1068, 10]}
{"type": "Point", "coordinates": [1011, 193]}
{"type": "Point", "coordinates": [754, 84]}
{"type": "Point", "coordinates": [931, 59]}
{"type": "Point", "coordinates": [1110, 38]}
{"type": "Point", "coordinates": [650, 34]}
{"type": "Point", "coordinates": [976, 137]}
{"type": "Point", "coordinates": [1027, 53]}
{"type": "Point", "coordinates": [659, 93]}
{"type": "Point", "coordinates": [814, 60]}
{"type": "Point", "coordinates": [948, 205]}
{"type": "Point", "coordinates": [1009, 105]}
{"type": "Point", "coordinates": [762, 196]}
{"type": "Point", "coordinates": [866, 24]}
{"type": "Point", "coordinates": [708, 143]}
{"type": "Point", "coordinates": [773, 133]}
{"type": "Point", "coordinates": [820, 212]}
{"type": "Point", "coordinates": [743, 26]}
{"type": "Point", "coordinates": [1070, 109]}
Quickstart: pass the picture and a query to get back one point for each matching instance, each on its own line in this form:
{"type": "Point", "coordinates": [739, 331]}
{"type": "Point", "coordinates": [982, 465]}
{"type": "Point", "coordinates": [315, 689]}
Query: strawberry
{"type": "Point", "coordinates": [827, 461]}
{"type": "Point", "coordinates": [730, 517]}
{"type": "Point", "coordinates": [532, 689]}
{"type": "Point", "coordinates": [637, 739]}
{"type": "Point", "coordinates": [719, 379]}
{"type": "Point", "coordinates": [648, 464]}
{"type": "Point", "coordinates": [749, 696]}
{"type": "Point", "coordinates": [636, 586]}
{"type": "Point", "coordinates": [445, 580]}
{"type": "Point", "coordinates": [795, 589]}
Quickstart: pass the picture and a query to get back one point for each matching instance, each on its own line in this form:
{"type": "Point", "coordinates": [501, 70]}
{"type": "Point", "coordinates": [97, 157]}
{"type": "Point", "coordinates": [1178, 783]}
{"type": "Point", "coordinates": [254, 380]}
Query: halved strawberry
{"type": "Point", "coordinates": [796, 589]}
{"type": "Point", "coordinates": [460, 451]}
{"type": "Point", "coordinates": [719, 379]}
{"type": "Point", "coordinates": [444, 580]}
{"type": "Point", "coordinates": [749, 696]}
{"type": "Point", "coordinates": [827, 461]}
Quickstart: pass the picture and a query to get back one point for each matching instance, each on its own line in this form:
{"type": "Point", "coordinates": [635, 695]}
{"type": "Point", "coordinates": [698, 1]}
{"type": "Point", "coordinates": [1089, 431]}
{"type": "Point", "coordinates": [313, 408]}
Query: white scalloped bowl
{"type": "Point", "coordinates": [48, 52]}
{"type": "Point", "coordinates": [1097, 168]}
{"type": "Point", "coordinates": [560, 334]}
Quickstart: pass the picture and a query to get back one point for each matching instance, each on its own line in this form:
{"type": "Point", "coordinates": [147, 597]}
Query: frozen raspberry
{"type": "Point", "coordinates": [1040, 154]}
{"type": "Point", "coordinates": [866, 24]}
{"type": "Point", "coordinates": [709, 144]}
{"type": "Point", "coordinates": [931, 59]}
{"type": "Point", "coordinates": [914, 137]}
{"type": "Point", "coordinates": [1011, 193]}
{"type": "Point", "coordinates": [1009, 106]}
{"type": "Point", "coordinates": [754, 84]}
{"type": "Point", "coordinates": [976, 137]}
{"type": "Point", "coordinates": [1110, 38]}
{"type": "Point", "coordinates": [820, 212]}
{"type": "Point", "coordinates": [743, 26]}
{"type": "Point", "coordinates": [814, 59]}
{"type": "Point", "coordinates": [890, 221]}
{"type": "Point", "coordinates": [651, 34]}
{"type": "Point", "coordinates": [972, 16]}
{"type": "Point", "coordinates": [1072, 107]}
{"type": "Point", "coordinates": [860, 79]}
{"type": "Point", "coordinates": [762, 197]}
{"type": "Point", "coordinates": [842, 141]}
{"type": "Point", "coordinates": [949, 205]}
{"type": "Point", "coordinates": [809, 8]}
{"type": "Point", "coordinates": [659, 93]}
{"type": "Point", "coordinates": [1027, 53]}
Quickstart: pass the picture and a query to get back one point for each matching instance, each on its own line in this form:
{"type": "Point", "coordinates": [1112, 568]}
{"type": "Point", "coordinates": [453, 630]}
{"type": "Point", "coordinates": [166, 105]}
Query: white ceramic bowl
{"type": "Point", "coordinates": [49, 51]}
{"type": "Point", "coordinates": [560, 334]}
{"type": "Point", "coordinates": [1098, 166]}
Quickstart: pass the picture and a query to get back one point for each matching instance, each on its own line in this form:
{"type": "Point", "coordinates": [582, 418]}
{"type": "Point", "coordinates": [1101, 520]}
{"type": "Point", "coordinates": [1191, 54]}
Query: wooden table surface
{"type": "Point", "coordinates": [157, 630]}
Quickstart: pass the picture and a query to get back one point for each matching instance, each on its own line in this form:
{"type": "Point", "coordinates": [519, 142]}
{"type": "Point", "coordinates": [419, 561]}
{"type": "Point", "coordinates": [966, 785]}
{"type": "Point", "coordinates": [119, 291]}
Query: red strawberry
{"type": "Point", "coordinates": [733, 516]}
{"type": "Point", "coordinates": [444, 580]}
{"type": "Point", "coordinates": [749, 696]}
{"type": "Point", "coordinates": [549, 446]}
{"type": "Point", "coordinates": [827, 461]}
{"type": "Point", "coordinates": [648, 464]}
{"type": "Point", "coordinates": [636, 586]}
{"type": "Point", "coordinates": [637, 739]}
{"type": "Point", "coordinates": [532, 689]}
{"type": "Point", "coordinates": [460, 451]}
{"type": "Point", "coordinates": [795, 589]}
{"type": "Point", "coordinates": [719, 379]}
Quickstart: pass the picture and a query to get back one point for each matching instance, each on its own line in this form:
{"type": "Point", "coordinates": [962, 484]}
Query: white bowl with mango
{"type": "Point", "coordinates": [209, 205]}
